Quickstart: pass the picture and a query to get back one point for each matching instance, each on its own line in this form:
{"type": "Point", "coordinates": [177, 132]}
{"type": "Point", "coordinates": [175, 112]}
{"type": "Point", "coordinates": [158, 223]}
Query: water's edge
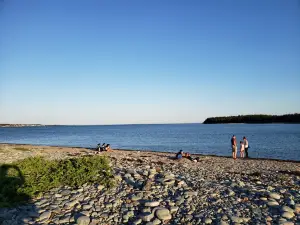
{"type": "Point", "coordinates": [152, 151]}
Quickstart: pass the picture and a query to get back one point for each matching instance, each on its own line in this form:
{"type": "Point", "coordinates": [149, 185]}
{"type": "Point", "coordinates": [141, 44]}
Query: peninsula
{"type": "Point", "coordinates": [21, 125]}
{"type": "Point", "coordinates": [259, 118]}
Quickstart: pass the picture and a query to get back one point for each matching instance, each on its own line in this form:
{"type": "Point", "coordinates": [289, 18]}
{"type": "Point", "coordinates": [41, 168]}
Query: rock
{"type": "Point", "coordinates": [152, 204]}
{"type": "Point", "coordinates": [100, 187]}
{"type": "Point", "coordinates": [156, 221]}
{"type": "Point", "coordinates": [64, 220]}
{"type": "Point", "coordinates": [287, 209]}
{"type": "Point", "coordinates": [208, 221]}
{"type": "Point", "coordinates": [169, 182]}
{"type": "Point", "coordinates": [163, 214]}
{"type": "Point", "coordinates": [138, 221]}
{"type": "Point", "coordinates": [191, 193]}
{"type": "Point", "coordinates": [273, 203]}
{"type": "Point", "coordinates": [237, 219]}
{"type": "Point", "coordinates": [45, 215]}
{"type": "Point", "coordinates": [297, 208]}
{"type": "Point", "coordinates": [231, 193]}
{"type": "Point", "coordinates": [146, 216]}
{"type": "Point", "coordinates": [71, 204]}
{"type": "Point", "coordinates": [174, 209]}
{"type": "Point", "coordinates": [223, 223]}
{"type": "Point", "coordinates": [83, 220]}
{"type": "Point", "coordinates": [274, 195]}
{"type": "Point", "coordinates": [286, 223]}
{"type": "Point", "coordinates": [288, 215]}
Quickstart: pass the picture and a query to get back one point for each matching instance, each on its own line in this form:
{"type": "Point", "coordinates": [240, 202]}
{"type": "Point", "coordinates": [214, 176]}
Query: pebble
{"type": "Point", "coordinates": [152, 204]}
{"type": "Point", "coordinates": [163, 214]}
{"type": "Point", "coordinates": [287, 209]}
{"type": "Point", "coordinates": [273, 203]}
{"type": "Point", "coordinates": [45, 215]}
{"type": "Point", "coordinates": [83, 220]}
{"type": "Point", "coordinates": [288, 215]}
{"type": "Point", "coordinates": [208, 221]}
{"type": "Point", "coordinates": [173, 194]}
{"type": "Point", "coordinates": [274, 195]}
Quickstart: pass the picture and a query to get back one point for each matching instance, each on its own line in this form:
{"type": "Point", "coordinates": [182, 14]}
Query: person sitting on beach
{"type": "Point", "coordinates": [242, 149]}
{"type": "Point", "coordinates": [179, 155]}
{"type": "Point", "coordinates": [107, 148]}
{"type": "Point", "coordinates": [98, 147]}
{"type": "Point", "coordinates": [187, 155]}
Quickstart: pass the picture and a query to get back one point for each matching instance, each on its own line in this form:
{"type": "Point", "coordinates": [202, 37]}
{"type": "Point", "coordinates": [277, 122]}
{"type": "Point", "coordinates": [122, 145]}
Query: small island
{"type": "Point", "coordinates": [259, 118]}
{"type": "Point", "coordinates": [21, 125]}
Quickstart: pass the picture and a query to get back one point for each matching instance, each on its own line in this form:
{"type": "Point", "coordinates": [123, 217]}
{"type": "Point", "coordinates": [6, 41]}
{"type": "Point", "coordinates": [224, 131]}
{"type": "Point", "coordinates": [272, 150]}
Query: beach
{"type": "Point", "coordinates": [153, 188]}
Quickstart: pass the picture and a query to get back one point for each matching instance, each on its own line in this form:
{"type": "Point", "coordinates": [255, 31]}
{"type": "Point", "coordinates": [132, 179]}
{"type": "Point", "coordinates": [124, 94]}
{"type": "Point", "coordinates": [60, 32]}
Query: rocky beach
{"type": "Point", "coordinates": [153, 188]}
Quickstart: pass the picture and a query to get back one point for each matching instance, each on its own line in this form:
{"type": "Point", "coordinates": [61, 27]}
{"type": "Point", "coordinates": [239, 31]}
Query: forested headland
{"type": "Point", "coordinates": [259, 118]}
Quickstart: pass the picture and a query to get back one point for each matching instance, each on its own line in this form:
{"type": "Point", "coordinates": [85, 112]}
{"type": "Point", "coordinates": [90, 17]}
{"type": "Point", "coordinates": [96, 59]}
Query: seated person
{"type": "Point", "coordinates": [107, 148]}
{"type": "Point", "coordinates": [179, 155]}
{"type": "Point", "coordinates": [98, 147]}
{"type": "Point", "coordinates": [187, 155]}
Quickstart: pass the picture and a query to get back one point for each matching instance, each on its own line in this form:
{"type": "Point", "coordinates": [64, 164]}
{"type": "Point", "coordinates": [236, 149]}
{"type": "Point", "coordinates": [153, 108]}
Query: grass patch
{"type": "Point", "coordinates": [22, 149]}
{"type": "Point", "coordinates": [25, 179]}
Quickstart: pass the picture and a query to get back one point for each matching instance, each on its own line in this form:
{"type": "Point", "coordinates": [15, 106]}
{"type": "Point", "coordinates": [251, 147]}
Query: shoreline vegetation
{"type": "Point", "coordinates": [146, 187]}
{"type": "Point", "coordinates": [255, 119]}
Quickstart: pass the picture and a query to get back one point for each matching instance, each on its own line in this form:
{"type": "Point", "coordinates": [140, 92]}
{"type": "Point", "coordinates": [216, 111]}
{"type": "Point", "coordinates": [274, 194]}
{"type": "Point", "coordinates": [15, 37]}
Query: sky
{"type": "Point", "coordinates": [128, 62]}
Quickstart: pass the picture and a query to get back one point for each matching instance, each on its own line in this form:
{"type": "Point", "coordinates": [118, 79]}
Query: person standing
{"type": "Point", "coordinates": [242, 149]}
{"type": "Point", "coordinates": [246, 144]}
{"type": "Point", "coordinates": [234, 147]}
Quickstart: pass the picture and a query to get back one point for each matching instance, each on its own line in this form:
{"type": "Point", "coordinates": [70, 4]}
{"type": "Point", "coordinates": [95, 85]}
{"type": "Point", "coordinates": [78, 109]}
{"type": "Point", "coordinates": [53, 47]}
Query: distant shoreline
{"type": "Point", "coordinates": [22, 125]}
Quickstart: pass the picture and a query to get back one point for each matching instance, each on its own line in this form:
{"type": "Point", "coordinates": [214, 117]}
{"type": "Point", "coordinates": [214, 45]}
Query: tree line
{"type": "Point", "coordinates": [259, 118]}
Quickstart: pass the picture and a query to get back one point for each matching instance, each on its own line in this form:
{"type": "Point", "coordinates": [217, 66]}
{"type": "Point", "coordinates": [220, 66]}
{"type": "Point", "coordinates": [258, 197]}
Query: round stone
{"type": "Point", "coordinates": [156, 221]}
{"type": "Point", "coordinates": [138, 221]}
{"type": "Point", "coordinates": [163, 214]}
{"type": "Point", "coordinates": [273, 203]}
{"type": "Point", "coordinates": [287, 209]}
{"type": "Point", "coordinates": [83, 220]}
{"type": "Point", "coordinates": [274, 195]}
{"type": "Point", "coordinates": [152, 204]}
{"type": "Point", "coordinates": [208, 221]}
{"type": "Point", "coordinates": [237, 219]}
{"type": "Point", "coordinates": [288, 215]}
{"type": "Point", "coordinates": [146, 216]}
{"type": "Point", "coordinates": [45, 215]}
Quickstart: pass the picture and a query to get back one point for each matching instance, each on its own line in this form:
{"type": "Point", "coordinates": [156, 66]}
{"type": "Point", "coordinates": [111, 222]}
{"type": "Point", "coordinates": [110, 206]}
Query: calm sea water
{"type": "Point", "coordinates": [280, 141]}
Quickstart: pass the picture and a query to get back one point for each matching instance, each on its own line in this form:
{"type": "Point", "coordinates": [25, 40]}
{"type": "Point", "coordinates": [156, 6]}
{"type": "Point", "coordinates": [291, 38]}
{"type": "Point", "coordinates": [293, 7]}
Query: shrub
{"type": "Point", "coordinates": [27, 178]}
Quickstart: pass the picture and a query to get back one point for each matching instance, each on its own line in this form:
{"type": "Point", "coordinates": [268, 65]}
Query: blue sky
{"type": "Point", "coordinates": [119, 62]}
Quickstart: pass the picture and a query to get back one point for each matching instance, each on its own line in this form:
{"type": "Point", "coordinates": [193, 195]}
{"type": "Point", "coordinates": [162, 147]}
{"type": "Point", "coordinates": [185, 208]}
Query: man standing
{"type": "Point", "coordinates": [234, 147]}
{"type": "Point", "coordinates": [246, 146]}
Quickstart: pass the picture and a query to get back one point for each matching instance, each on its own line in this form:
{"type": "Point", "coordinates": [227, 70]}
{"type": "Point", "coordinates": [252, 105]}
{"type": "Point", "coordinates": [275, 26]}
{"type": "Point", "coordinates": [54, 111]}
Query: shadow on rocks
{"type": "Point", "coordinates": [12, 202]}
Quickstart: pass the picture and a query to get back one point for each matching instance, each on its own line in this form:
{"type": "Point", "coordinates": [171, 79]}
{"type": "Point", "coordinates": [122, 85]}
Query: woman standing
{"type": "Point", "coordinates": [246, 145]}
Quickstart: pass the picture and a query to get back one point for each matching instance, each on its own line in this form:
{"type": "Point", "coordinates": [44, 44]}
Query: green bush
{"type": "Point", "coordinates": [27, 178]}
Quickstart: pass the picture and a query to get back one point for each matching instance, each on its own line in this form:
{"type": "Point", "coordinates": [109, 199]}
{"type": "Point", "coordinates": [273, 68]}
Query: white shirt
{"type": "Point", "coordinates": [246, 143]}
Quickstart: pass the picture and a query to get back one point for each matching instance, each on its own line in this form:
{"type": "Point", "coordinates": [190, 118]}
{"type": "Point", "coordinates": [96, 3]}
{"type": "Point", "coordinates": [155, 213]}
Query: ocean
{"type": "Point", "coordinates": [277, 141]}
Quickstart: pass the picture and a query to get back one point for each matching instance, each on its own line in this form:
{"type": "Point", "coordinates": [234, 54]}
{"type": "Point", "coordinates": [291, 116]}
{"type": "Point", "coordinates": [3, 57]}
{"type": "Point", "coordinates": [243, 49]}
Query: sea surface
{"type": "Point", "coordinates": [277, 141]}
